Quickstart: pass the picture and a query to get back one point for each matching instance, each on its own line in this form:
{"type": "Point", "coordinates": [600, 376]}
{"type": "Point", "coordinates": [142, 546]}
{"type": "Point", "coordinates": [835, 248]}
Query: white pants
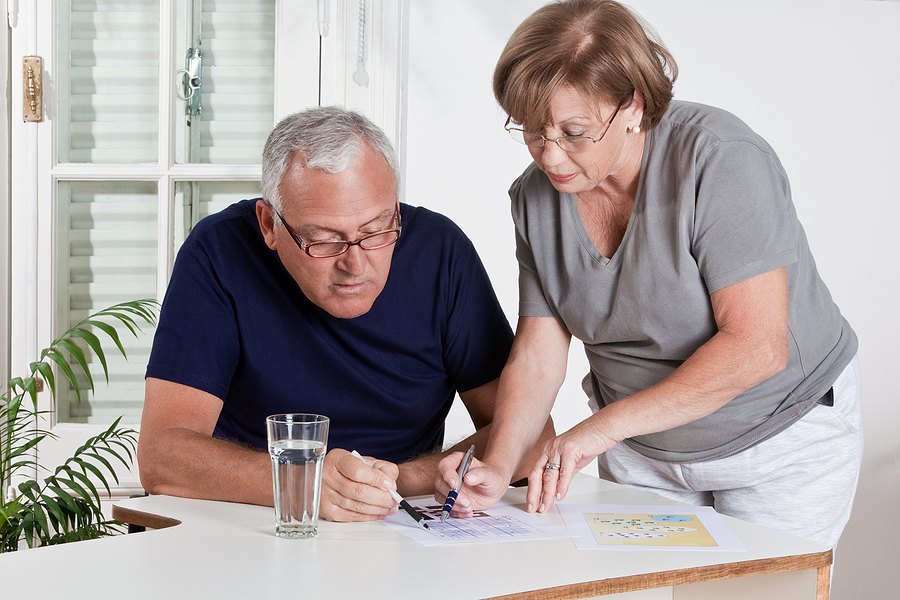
{"type": "Point", "coordinates": [801, 481]}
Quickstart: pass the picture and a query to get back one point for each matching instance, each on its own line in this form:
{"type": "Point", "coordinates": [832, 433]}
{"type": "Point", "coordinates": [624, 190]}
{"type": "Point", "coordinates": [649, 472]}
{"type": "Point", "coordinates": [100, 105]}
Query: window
{"type": "Point", "coordinates": [107, 248]}
{"type": "Point", "coordinates": [156, 112]}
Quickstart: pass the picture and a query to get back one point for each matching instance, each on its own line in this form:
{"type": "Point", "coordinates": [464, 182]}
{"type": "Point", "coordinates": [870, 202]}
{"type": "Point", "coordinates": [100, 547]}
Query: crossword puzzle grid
{"type": "Point", "coordinates": [481, 526]}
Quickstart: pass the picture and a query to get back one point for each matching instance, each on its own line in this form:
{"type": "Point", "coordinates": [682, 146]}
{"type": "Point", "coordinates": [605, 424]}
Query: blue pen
{"type": "Point", "coordinates": [451, 497]}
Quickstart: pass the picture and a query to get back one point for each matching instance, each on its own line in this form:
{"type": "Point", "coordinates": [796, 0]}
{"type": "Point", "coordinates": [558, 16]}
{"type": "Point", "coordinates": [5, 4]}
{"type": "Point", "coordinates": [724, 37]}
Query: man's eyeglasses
{"type": "Point", "coordinates": [373, 241]}
{"type": "Point", "coordinates": [568, 143]}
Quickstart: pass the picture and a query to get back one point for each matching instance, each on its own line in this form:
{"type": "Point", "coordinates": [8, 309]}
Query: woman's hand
{"type": "Point", "coordinates": [571, 451]}
{"type": "Point", "coordinates": [483, 485]}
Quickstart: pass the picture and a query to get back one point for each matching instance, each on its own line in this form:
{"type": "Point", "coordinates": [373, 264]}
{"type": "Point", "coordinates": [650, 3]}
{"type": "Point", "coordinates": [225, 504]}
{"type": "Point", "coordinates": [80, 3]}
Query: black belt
{"type": "Point", "coordinates": [828, 398]}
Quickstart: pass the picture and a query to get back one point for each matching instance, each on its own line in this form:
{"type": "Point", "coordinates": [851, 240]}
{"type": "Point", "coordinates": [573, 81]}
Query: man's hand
{"type": "Point", "coordinates": [355, 491]}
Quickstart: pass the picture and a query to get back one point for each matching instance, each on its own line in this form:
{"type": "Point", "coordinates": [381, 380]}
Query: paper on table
{"type": "Point", "coordinates": [669, 527]}
{"type": "Point", "coordinates": [500, 523]}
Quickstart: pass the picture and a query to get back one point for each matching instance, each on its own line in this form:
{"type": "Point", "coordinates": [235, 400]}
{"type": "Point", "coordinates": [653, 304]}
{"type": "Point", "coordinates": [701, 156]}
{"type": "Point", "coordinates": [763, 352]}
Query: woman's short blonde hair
{"type": "Point", "coordinates": [600, 48]}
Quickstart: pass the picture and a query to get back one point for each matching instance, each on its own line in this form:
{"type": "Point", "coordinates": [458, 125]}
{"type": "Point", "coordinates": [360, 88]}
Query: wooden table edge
{"type": "Point", "coordinates": [141, 518]}
{"type": "Point", "coordinates": [632, 583]}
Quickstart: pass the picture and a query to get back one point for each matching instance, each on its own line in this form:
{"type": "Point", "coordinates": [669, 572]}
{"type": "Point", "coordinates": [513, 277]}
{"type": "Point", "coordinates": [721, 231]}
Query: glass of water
{"type": "Point", "coordinates": [297, 444]}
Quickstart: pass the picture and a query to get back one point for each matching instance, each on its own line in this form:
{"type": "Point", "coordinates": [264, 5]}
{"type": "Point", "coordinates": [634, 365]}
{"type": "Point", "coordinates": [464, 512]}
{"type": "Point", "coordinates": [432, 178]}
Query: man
{"type": "Point", "coordinates": [311, 300]}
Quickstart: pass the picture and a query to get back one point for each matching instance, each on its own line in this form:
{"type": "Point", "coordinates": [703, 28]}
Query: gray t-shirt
{"type": "Point", "coordinates": [713, 208]}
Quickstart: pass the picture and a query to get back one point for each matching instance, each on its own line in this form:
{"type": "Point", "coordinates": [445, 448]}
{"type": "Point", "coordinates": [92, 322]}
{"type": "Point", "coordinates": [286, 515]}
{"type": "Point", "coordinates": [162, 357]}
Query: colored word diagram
{"type": "Point", "coordinates": [666, 527]}
{"type": "Point", "coordinates": [649, 530]}
{"type": "Point", "coordinates": [500, 523]}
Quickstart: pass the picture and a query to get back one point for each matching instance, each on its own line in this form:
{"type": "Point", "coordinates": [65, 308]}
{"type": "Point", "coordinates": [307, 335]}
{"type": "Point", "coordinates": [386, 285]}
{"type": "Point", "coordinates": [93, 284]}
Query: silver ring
{"type": "Point", "coordinates": [552, 466]}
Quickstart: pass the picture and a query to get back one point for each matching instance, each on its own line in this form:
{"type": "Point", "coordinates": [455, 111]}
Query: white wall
{"type": "Point", "coordinates": [818, 78]}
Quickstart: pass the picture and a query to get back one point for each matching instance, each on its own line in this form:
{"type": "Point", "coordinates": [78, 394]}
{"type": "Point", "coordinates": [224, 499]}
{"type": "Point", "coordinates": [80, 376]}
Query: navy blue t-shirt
{"type": "Point", "coordinates": [235, 324]}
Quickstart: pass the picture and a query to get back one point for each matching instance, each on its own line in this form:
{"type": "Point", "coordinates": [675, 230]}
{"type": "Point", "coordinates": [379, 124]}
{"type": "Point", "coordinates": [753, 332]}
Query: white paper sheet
{"type": "Point", "coordinates": [500, 523]}
{"type": "Point", "coordinates": [637, 527]}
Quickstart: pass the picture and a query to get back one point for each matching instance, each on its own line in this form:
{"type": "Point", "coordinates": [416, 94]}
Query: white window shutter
{"type": "Point", "coordinates": [109, 84]}
{"type": "Point", "coordinates": [106, 254]}
{"type": "Point", "coordinates": [238, 81]}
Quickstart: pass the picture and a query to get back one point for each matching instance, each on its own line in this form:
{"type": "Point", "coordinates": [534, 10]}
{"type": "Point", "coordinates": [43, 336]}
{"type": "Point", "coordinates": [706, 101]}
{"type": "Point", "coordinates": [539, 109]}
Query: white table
{"type": "Point", "coordinates": [225, 550]}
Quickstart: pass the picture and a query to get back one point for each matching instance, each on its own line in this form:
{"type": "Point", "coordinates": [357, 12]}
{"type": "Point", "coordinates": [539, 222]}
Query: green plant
{"type": "Point", "coordinates": [66, 505]}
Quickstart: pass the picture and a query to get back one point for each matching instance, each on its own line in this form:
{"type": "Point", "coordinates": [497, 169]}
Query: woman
{"type": "Point", "coordinates": [662, 234]}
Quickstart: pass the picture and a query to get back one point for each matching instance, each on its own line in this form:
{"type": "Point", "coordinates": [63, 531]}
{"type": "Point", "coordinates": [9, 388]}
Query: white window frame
{"type": "Point", "coordinates": [35, 172]}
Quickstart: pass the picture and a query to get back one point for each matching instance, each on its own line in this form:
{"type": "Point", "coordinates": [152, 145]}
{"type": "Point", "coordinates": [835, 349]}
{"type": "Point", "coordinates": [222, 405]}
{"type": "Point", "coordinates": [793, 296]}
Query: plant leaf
{"type": "Point", "coordinates": [94, 342]}
{"type": "Point", "coordinates": [83, 493]}
{"type": "Point", "coordinates": [87, 483]}
{"type": "Point", "coordinates": [64, 366]}
{"type": "Point", "coordinates": [105, 462]}
{"type": "Point", "coordinates": [116, 454]}
{"type": "Point", "coordinates": [56, 514]}
{"type": "Point", "coordinates": [26, 385]}
{"type": "Point", "coordinates": [46, 372]}
{"type": "Point", "coordinates": [40, 520]}
{"type": "Point", "coordinates": [78, 354]}
{"type": "Point", "coordinates": [22, 449]}
{"type": "Point", "coordinates": [27, 526]}
{"type": "Point", "coordinates": [29, 489]}
{"type": "Point", "coordinates": [97, 473]}
{"type": "Point", "coordinates": [63, 496]}
{"type": "Point", "coordinates": [111, 332]}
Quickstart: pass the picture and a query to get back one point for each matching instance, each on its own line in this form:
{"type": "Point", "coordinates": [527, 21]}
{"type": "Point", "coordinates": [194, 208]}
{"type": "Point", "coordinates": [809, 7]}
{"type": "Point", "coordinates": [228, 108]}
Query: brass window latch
{"type": "Point", "coordinates": [32, 88]}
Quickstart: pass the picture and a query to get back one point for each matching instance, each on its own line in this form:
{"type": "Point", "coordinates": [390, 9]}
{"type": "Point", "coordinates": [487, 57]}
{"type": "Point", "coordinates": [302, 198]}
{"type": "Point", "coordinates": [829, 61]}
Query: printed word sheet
{"type": "Point", "coordinates": [500, 523]}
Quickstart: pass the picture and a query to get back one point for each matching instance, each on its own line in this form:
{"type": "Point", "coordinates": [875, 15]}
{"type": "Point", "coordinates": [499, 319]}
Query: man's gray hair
{"type": "Point", "coordinates": [329, 138]}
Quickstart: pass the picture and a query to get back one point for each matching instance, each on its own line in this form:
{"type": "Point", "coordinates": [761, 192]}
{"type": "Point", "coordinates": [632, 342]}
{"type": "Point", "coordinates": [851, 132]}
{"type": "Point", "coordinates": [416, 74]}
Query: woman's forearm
{"type": "Point", "coordinates": [528, 387]}
{"type": "Point", "coordinates": [750, 347]}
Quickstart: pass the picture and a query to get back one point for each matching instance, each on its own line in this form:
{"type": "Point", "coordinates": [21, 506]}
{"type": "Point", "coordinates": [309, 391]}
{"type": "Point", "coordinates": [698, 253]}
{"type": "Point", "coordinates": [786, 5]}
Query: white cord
{"type": "Point", "coordinates": [324, 16]}
{"type": "Point", "coordinates": [362, 48]}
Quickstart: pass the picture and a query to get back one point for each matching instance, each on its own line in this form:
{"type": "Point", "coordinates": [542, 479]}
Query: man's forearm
{"type": "Point", "coordinates": [417, 477]}
{"type": "Point", "coordinates": [181, 462]}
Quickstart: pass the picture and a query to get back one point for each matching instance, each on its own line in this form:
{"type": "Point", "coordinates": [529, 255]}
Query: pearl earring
{"type": "Point", "coordinates": [636, 129]}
